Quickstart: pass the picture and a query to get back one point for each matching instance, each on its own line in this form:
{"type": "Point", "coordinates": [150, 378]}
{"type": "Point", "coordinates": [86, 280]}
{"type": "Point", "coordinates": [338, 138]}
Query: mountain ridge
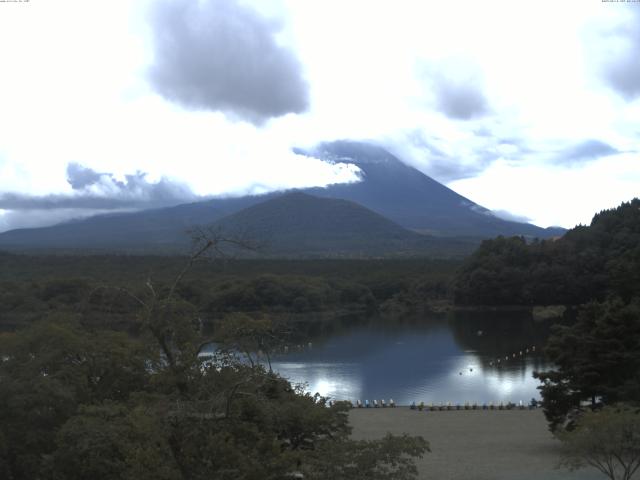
{"type": "Point", "coordinates": [411, 198]}
{"type": "Point", "coordinates": [297, 223]}
{"type": "Point", "coordinates": [388, 187]}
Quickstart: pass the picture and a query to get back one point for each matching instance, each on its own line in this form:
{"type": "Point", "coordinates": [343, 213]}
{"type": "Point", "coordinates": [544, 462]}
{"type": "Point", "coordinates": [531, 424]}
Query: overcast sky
{"type": "Point", "coordinates": [531, 108]}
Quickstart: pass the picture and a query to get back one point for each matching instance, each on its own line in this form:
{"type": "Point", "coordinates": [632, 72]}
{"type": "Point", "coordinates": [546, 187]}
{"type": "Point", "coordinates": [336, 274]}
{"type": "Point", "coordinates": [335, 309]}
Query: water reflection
{"type": "Point", "coordinates": [432, 361]}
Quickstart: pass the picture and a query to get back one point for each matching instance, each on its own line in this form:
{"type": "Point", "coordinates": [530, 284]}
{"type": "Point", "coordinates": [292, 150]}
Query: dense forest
{"type": "Point", "coordinates": [32, 287]}
{"type": "Point", "coordinates": [587, 263]}
{"type": "Point", "coordinates": [102, 374]}
{"type": "Point", "coordinates": [595, 268]}
{"type": "Point", "coordinates": [102, 377]}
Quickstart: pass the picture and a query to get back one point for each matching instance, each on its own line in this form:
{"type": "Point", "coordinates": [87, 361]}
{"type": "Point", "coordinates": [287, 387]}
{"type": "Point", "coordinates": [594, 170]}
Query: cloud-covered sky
{"type": "Point", "coordinates": [531, 109]}
{"type": "Point", "coordinates": [221, 55]}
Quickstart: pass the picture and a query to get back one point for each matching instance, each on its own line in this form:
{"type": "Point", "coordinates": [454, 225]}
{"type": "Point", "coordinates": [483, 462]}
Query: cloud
{"type": "Point", "coordinates": [96, 192]}
{"type": "Point", "coordinates": [456, 85]}
{"type": "Point", "coordinates": [220, 55]}
{"type": "Point", "coordinates": [622, 69]}
{"type": "Point", "coordinates": [459, 100]}
{"type": "Point", "coordinates": [446, 162]}
{"type": "Point", "coordinates": [510, 217]}
{"type": "Point", "coordinates": [586, 151]}
{"type": "Point", "coordinates": [483, 132]}
{"type": "Point", "coordinates": [440, 165]}
{"type": "Point", "coordinates": [13, 219]}
{"type": "Point", "coordinates": [103, 191]}
{"type": "Point", "coordinates": [80, 177]}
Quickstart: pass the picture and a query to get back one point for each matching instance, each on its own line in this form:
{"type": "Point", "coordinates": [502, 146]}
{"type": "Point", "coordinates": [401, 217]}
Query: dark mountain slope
{"type": "Point", "coordinates": [157, 229]}
{"type": "Point", "coordinates": [388, 187]}
{"type": "Point", "coordinates": [412, 199]}
{"type": "Point", "coordinates": [300, 224]}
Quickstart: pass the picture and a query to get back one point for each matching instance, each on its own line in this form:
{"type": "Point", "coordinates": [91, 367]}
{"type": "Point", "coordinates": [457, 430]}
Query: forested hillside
{"type": "Point", "coordinates": [587, 263]}
{"type": "Point", "coordinates": [597, 269]}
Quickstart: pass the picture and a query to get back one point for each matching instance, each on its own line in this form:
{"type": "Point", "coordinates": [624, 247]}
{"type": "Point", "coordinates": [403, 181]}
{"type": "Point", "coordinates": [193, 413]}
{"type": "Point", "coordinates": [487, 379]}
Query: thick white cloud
{"type": "Point", "coordinates": [457, 87]}
{"type": "Point", "coordinates": [511, 90]}
{"type": "Point", "coordinates": [220, 55]}
{"type": "Point", "coordinates": [621, 69]}
{"type": "Point", "coordinates": [555, 195]}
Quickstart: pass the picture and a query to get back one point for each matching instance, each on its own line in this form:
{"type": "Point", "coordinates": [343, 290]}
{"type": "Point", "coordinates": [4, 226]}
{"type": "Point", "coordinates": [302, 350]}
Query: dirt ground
{"type": "Point", "coordinates": [474, 444]}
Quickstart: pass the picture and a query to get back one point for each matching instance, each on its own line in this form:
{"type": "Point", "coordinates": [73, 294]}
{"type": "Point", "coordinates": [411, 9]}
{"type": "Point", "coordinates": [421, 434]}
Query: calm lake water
{"type": "Point", "coordinates": [431, 360]}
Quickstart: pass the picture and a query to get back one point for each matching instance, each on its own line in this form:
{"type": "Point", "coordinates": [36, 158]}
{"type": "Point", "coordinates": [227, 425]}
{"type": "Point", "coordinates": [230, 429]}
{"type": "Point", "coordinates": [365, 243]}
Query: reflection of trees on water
{"type": "Point", "coordinates": [315, 327]}
{"type": "Point", "coordinates": [498, 335]}
{"type": "Point", "coordinates": [517, 366]}
{"type": "Point", "coordinates": [320, 328]}
{"type": "Point", "coordinates": [437, 358]}
{"type": "Point", "coordinates": [503, 333]}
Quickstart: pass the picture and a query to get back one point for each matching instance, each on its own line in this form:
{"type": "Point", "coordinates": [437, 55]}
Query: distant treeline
{"type": "Point", "coordinates": [102, 289]}
{"type": "Point", "coordinates": [587, 263]}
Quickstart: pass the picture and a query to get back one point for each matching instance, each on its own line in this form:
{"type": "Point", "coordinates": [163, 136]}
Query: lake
{"type": "Point", "coordinates": [430, 359]}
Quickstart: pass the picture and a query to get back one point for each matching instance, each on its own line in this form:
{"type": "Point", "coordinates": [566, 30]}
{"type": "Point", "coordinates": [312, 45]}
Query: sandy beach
{"type": "Point", "coordinates": [474, 444]}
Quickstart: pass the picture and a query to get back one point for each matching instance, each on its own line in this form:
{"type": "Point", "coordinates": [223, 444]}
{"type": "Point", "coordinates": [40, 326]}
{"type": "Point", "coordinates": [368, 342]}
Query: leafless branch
{"type": "Point", "coordinates": [150, 287]}
{"type": "Point", "coordinates": [205, 240]}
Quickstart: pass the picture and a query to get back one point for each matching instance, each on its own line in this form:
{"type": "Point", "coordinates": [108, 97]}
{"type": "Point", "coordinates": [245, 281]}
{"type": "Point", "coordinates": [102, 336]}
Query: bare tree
{"type": "Point", "coordinates": [169, 319]}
